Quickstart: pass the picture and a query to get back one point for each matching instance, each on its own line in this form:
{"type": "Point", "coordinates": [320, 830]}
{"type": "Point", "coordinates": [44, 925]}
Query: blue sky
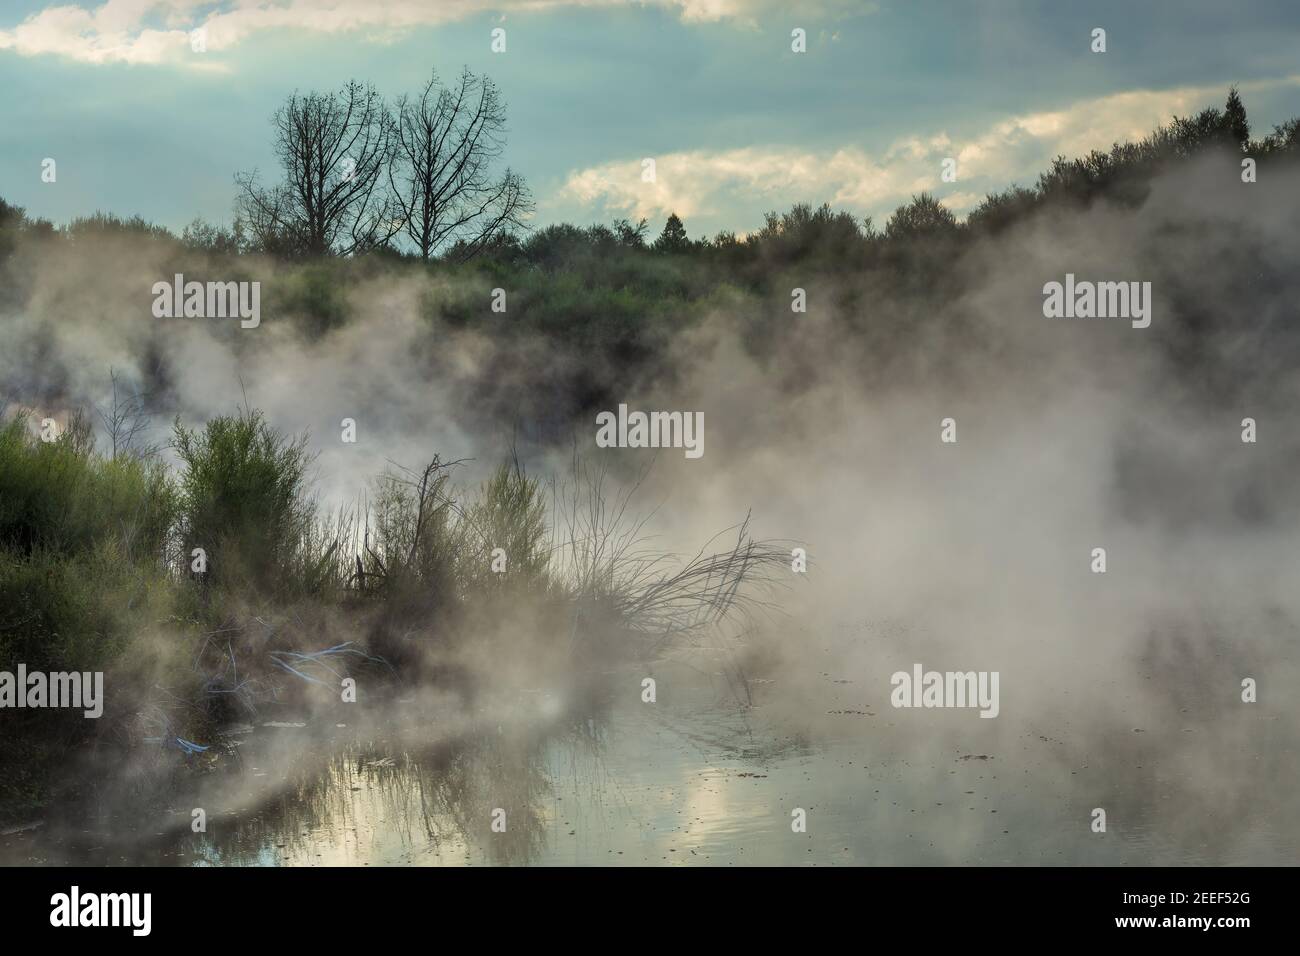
{"type": "Point", "coordinates": [737, 123]}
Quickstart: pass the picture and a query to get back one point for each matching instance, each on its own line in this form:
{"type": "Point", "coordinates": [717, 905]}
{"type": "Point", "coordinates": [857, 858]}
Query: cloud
{"type": "Point", "coordinates": [705, 182]}
{"type": "Point", "coordinates": [159, 31]}
{"type": "Point", "coordinates": [700, 182]}
{"type": "Point", "coordinates": [113, 31]}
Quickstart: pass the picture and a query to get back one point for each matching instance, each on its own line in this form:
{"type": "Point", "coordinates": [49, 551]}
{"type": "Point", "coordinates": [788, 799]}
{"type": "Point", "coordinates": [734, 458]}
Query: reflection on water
{"type": "Point", "coordinates": [702, 777]}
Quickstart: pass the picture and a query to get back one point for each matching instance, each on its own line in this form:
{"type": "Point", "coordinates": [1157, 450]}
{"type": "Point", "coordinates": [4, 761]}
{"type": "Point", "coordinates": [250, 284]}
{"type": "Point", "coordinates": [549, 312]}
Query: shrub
{"type": "Point", "coordinates": [244, 500]}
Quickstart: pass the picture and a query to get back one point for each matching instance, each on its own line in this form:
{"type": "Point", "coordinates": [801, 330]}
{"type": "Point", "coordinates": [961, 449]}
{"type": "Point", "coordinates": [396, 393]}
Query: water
{"type": "Point", "coordinates": [708, 774]}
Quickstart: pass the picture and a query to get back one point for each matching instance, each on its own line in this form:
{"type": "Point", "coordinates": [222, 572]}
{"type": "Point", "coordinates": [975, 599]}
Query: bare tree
{"type": "Point", "coordinates": [334, 148]}
{"type": "Point", "coordinates": [441, 177]}
{"type": "Point", "coordinates": [127, 421]}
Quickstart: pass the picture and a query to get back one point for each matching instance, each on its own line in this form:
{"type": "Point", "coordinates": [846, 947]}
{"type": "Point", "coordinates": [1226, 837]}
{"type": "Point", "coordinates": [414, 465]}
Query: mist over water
{"type": "Point", "coordinates": [1119, 690]}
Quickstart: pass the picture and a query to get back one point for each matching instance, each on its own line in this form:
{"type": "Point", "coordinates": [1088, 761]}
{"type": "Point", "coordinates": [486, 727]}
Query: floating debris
{"type": "Point", "coordinates": [298, 664]}
{"type": "Point", "coordinates": [167, 738]}
{"type": "Point", "coordinates": [187, 747]}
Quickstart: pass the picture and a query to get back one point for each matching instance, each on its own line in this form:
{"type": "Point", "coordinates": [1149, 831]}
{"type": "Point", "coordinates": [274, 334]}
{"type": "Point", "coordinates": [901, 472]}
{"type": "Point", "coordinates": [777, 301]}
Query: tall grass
{"type": "Point", "coordinates": [96, 573]}
{"type": "Point", "coordinates": [507, 521]}
{"type": "Point", "coordinates": [617, 583]}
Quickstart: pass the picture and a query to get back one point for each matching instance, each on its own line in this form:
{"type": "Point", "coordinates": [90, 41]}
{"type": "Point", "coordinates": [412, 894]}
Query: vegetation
{"type": "Point", "coordinates": [205, 593]}
{"type": "Point", "coordinates": [97, 545]}
{"type": "Point", "coordinates": [612, 296]}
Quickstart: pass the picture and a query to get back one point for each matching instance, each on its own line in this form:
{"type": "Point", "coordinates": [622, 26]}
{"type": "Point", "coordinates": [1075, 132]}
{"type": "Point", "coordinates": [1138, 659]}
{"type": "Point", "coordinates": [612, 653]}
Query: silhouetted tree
{"type": "Point", "coordinates": [12, 219]}
{"type": "Point", "coordinates": [629, 234]}
{"type": "Point", "coordinates": [334, 149]}
{"type": "Point", "coordinates": [673, 238]}
{"type": "Point", "coordinates": [1284, 138]}
{"type": "Point", "coordinates": [923, 216]}
{"type": "Point", "coordinates": [999, 210]}
{"type": "Point", "coordinates": [441, 176]}
{"type": "Point", "coordinates": [1235, 115]}
{"type": "Point", "coordinates": [805, 231]}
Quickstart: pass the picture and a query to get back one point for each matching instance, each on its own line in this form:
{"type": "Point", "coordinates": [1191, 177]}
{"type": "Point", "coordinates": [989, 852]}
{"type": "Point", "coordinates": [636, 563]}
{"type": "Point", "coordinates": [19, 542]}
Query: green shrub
{"type": "Point", "coordinates": [315, 294]}
{"type": "Point", "coordinates": [60, 496]}
{"type": "Point", "coordinates": [244, 500]}
{"type": "Point", "coordinates": [84, 541]}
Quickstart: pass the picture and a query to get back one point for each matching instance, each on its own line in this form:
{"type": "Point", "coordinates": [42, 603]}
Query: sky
{"type": "Point", "coordinates": [139, 122]}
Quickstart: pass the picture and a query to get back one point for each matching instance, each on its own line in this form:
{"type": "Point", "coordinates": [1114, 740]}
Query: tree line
{"type": "Point", "coordinates": [419, 179]}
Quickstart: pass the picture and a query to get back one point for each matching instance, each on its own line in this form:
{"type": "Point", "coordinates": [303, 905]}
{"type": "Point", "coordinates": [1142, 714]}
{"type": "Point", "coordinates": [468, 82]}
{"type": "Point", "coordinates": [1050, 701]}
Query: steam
{"type": "Point", "coordinates": [975, 555]}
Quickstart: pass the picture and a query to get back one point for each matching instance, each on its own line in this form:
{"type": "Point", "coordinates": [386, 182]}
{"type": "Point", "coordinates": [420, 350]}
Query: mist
{"type": "Point", "coordinates": [968, 555]}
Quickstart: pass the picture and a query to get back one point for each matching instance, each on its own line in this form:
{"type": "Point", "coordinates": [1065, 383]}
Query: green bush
{"type": "Point", "coordinates": [314, 294]}
{"type": "Point", "coordinates": [244, 500]}
{"type": "Point", "coordinates": [61, 497]}
{"type": "Point", "coordinates": [84, 544]}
